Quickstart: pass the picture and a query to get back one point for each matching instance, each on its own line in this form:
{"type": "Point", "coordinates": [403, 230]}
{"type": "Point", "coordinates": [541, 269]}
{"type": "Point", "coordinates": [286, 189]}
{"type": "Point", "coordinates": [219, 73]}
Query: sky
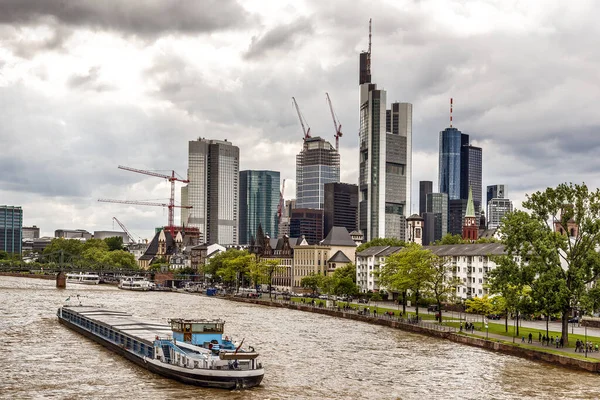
{"type": "Point", "coordinates": [86, 86]}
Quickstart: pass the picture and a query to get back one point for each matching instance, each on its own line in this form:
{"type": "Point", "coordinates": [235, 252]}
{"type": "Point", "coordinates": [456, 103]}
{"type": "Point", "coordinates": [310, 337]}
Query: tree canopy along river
{"type": "Point", "coordinates": [306, 355]}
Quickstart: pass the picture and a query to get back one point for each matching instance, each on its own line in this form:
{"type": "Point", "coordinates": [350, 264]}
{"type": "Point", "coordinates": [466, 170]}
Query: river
{"type": "Point", "coordinates": [306, 355]}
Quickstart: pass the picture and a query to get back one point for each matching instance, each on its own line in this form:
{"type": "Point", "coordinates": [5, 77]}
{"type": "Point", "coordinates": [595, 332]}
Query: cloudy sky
{"type": "Point", "coordinates": [89, 85]}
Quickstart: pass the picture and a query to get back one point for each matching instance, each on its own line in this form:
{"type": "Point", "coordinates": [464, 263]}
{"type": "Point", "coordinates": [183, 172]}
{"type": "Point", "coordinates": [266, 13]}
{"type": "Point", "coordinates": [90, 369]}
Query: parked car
{"type": "Point", "coordinates": [363, 301]}
{"type": "Point", "coordinates": [494, 316]}
{"type": "Point", "coordinates": [323, 297]}
{"type": "Point", "coordinates": [432, 308]}
{"type": "Point", "coordinates": [574, 320]}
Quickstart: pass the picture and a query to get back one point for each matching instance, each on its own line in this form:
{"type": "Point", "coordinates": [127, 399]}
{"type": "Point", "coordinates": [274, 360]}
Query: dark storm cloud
{"type": "Point", "coordinates": [280, 37]}
{"type": "Point", "coordinates": [131, 16]}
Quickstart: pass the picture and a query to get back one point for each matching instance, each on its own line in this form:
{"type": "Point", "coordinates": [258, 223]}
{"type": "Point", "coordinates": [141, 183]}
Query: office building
{"type": "Point", "coordinates": [425, 187]}
{"type": "Point", "coordinates": [428, 228]}
{"type": "Point", "coordinates": [456, 214]}
{"type": "Point", "coordinates": [471, 175]}
{"type": "Point", "coordinates": [11, 225]}
{"type": "Point", "coordinates": [111, 234]}
{"type": "Point", "coordinates": [495, 192]}
{"type": "Point", "coordinates": [385, 159]}
{"type": "Point", "coordinates": [307, 222]}
{"type": "Point", "coordinates": [496, 210]}
{"type": "Point", "coordinates": [31, 232]}
{"type": "Point", "coordinates": [259, 198]}
{"type": "Point", "coordinates": [341, 206]}
{"type": "Point", "coordinates": [437, 207]}
{"type": "Point", "coordinates": [284, 224]}
{"type": "Point", "coordinates": [317, 164]}
{"type": "Point", "coordinates": [450, 145]}
{"type": "Point", "coordinates": [81, 234]}
{"type": "Point", "coordinates": [213, 172]}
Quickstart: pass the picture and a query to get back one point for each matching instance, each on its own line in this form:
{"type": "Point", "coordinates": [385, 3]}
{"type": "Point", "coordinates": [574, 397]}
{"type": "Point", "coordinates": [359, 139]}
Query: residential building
{"type": "Point", "coordinates": [213, 190]}
{"type": "Point", "coordinates": [496, 210]}
{"type": "Point", "coordinates": [342, 248]}
{"type": "Point", "coordinates": [81, 234]}
{"type": "Point", "coordinates": [341, 206]}
{"type": "Point", "coordinates": [425, 188]}
{"type": "Point", "coordinates": [259, 199]}
{"type": "Point", "coordinates": [368, 263]}
{"type": "Point", "coordinates": [11, 225]}
{"type": "Point", "coordinates": [164, 246]}
{"type": "Point", "coordinates": [307, 222]}
{"type": "Point", "coordinates": [385, 160]}
{"type": "Point", "coordinates": [200, 255]}
{"type": "Point", "coordinates": [31, 232]}
{"type": "Point", "coordinates": [317, 164]}
{"type": "Point", "coordinates": [471, 264]}
{"type": "Point", "coordinates": [437, 205]}
{"type": "Point", "coordinates": [137, 249]}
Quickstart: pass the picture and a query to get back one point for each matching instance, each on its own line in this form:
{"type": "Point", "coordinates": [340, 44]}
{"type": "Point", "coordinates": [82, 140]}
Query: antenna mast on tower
{"type": "Point", "coordinates": [369, 56]}
{"type": "Point", "coordinates": [450, 112]}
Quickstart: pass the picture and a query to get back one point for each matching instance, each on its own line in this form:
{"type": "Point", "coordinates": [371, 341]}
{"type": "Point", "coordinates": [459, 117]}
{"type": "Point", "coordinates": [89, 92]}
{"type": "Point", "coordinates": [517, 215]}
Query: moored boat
{"type": "Point", "coordinates": [192, 351]}
{"type": "Point", "coordinates": [138, 283]}
{"type": "Point", "coordinates": [84, 279]}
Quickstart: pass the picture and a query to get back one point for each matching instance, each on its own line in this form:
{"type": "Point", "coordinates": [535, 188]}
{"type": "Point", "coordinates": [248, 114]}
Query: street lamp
{"type": "Point", "coordinates": [487, 332]}
{"type": "Point", "coordinates": [586, 343]}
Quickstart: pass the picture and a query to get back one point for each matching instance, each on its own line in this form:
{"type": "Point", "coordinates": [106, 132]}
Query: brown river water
{"type": "Point", "coordinates": [306, 355]}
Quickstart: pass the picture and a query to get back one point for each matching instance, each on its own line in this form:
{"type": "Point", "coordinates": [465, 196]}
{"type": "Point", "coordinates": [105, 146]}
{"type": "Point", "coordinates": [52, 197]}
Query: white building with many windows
{"type": "Point", "coordinates": [368, 262]}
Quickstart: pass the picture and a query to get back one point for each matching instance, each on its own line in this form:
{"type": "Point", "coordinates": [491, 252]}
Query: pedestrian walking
{"type": "Point", "coordinates": [540, 336]}
{"type": "Point", "coordinates": [523, 339]}
{"type": "Point", "coordinates": [530, 340]}
{"type": "Point", "coordinates": [461, 326]}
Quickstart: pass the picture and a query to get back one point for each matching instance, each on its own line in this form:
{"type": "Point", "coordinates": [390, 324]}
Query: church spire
{"type": "Point", "coordinates": [470, 206]}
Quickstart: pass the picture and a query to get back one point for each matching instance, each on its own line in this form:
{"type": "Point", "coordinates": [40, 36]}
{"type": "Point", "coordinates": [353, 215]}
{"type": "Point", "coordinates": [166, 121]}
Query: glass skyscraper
{"type": "Point", "coordinates": [11, 229]}
{"type": "Point", "coordinates": [451, 143]}
{"type": "Point", "coordinates": [437, 206]}
{"type": "Point", "coordinates": [259, 198]}
{"type": "Point", "coordinates": [471, 175]}
{"type": "Point", "coordinates": [213, 172]}
{"type": "Point", "coordinates": [317, 164]}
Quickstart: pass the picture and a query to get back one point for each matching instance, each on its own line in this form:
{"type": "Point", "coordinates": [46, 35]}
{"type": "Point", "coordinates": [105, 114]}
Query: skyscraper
{"type": "Point", "coordinates": [437, 206]}
{"type": "Point", "coordinates": [425, 187]}
{"type": "Point", "coordinates": [213, 172]}
{"type": "Point", "coordinates": [385, 159]}
{"type": "Point", "coordinates": [471, 175]}
{"type": "Point", "coordinates": [259, 198]}
{"type": "Point", "coordinates": [341, 206]}
{"type": "Point", "coordinates": [11, 225]}
{"type": "Point", "coordinates": [495, 192]}
{"type": "Point", "coordinates": [317, 164]}
{"type": "Point", "coordinates": [451, 142]}
{"type": "Point", "coordinates": [307, 222]}
{"type": "Point", "coordinates": [498, 205]}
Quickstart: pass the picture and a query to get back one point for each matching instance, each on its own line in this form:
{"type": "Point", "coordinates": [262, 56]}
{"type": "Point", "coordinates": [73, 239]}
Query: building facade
{"type": "Point", "coordinates": [317, 164]}
{"type": "Point", "coordinates": [368, 263]}
{"type": "Point", "coordinates": [495, 192]}
{"type": "Point", "coordinates": [72, 234]}
{"type": "Point", "coordinates": [450, 145]}
{"type": "Point", "coordinates": [456, 214]}
{"type": "Point", "coordinates": [341, 206]}
{"type": "Point", "coordinates": [385, 163]}
{"type": "Point", "coordinates": [471, 175]}
{"type": "Point", "coordinates": [425, 187]}
{"type": "Point", "coordinates": [496, 210]}
{"type": "Point", "coordinates": [470, 229]}
{"type": "Point", "coordinates": [11, 225]}
{"type": "Point", "coordinates": [437, 206]}
{"type": "Point", "coordinates": [31, 232]}
{"type": "Point", "coordinates": [259, 198]}
{"type": "Point", "coordinates": [307, 222]}
{"type": "Point", "coordinates": [110, 234]}
{"type": "Point", "coordinates": [284, 223]}
{"type": "Point", "coordinates": [213, 190]}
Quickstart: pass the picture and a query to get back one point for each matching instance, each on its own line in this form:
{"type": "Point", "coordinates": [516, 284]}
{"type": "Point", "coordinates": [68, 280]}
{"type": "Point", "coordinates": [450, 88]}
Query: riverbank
{"type": "Point", "coordinates": [29, 275]}
{"type": "Point", "coordinates": [442, 331]}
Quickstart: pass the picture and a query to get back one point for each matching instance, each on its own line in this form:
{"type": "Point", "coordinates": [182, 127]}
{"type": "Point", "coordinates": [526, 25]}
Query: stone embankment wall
{"type": "Point", "coordinates": [505, 348]}
{"type": "Point", "coordinates": [35, 276]}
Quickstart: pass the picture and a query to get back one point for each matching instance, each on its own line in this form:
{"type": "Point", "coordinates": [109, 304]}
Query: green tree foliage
{"type": "Point", "coordinates": [312, 282]}
{"type": "Point", "coordinates": [92, 254]}
{"type": "Point", "coordinates": [380, 242]}
{"type": "Point", "coordinates": [568, 264]}
{"type": "Point", "coordinates": [269, 268]}
{"type": "Point", "coordinates": [410, 269]}
{"type": "Point", "coordinates": [217, 262]}
{"type": "Point", "coordinates": [234, 269]}
{"type": "Point", "coordinates": [114, 243]}
{"type": "Point", "coordinates": [3, 255]}
{"type": "Point", "coordinates": [480, 305]}
{"type": "Point", "coordinates": [120, 259]}
{"type": "Point", "coordinates": [450, 239]}
{"type": "Point", "coordinates": [442, 285]}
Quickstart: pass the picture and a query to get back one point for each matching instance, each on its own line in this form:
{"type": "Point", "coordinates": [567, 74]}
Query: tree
{"type": "Point", "coordinates": [3, 255]}
{"type": "Point", "coordinates": [381, 242]}
{"type": "Point", "coordinates": [217, 262]}
{"type": "Point", "coordinates": [120, 259]}
{"type": "Point", "coordinates": [409, 269]}
{"type": "Point", "coordinates": [234, 269]}
{"type": "Point", "coordinates": [449, 238]}
{"type": "Point", "coordinates": [569, 254]}
{"type": "Point", "coordinates": [114, 243]}
{"type": "Point", "coordinates": [479, 305]}
{"type": "Point", "coordinates": [312, 282]}
{"type": "Point", "coordinates": [270, 267]}
{"type": "Point", "coordinates": [442, 284]}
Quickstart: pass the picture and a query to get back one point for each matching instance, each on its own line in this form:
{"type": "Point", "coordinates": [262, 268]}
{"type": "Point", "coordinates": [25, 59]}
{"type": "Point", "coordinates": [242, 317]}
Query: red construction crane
{"type": "Point", "coordinates": [171, 178]}
{"type": "Point", "coordinates": [336, 124]}
{"type": "Point", "coordinates": [302, 120]}
{"type": "Point", "coordinates": [281, 202]}
{"type": "Point", "coordinates": [129, 235]}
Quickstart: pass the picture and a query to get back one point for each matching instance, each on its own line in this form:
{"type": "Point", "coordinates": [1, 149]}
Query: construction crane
{"type": "Point", "coordinates": [171, 205]}
{"type": "Point", "coordinates": [302, 120]}
{"type": "Point", "coordinates": [129, 235]}
{"type": "Point", "coordinates": [281, 204]}
{"type": "Point", "coordinates": [336, 124]}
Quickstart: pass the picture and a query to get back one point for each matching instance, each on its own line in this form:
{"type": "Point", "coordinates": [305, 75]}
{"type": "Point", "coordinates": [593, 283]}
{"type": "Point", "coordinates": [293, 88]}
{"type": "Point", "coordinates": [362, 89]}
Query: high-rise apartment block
{"type": "Point", "coordinates": [213, 172]}
{"type": "Point", "coordinates": [11, 225]}
{"type": "Point", "coordinates": [259, 198]}
{"type": "Point", "coordinates": [341, 206]}
{"type": "Point", "coordinates": [385, 159]}
{"type": "Point", "coordinates": [317, 164]}
{"type": "Point", "coordinates": [498, 205]}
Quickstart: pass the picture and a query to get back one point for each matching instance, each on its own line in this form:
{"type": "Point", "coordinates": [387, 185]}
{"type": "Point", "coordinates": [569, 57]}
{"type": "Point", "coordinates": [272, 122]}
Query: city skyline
{"type": "Point", "coordinates": [84, 94]}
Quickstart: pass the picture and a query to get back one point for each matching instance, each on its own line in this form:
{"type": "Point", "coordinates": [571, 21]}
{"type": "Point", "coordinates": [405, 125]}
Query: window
{"type": "Point", "coordinates": [480, 280]}
{"type": "Point", "coordinates": [480, 270]}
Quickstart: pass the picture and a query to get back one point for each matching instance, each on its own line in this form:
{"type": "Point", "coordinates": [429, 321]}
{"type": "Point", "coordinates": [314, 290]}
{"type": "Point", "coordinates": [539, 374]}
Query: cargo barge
{"type": "Point", "coordinates": [192, 351]}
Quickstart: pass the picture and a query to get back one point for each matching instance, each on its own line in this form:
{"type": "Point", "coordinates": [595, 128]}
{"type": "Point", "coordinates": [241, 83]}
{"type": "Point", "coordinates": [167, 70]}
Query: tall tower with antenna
{"type": "Point", "coordinates": [385, 141]}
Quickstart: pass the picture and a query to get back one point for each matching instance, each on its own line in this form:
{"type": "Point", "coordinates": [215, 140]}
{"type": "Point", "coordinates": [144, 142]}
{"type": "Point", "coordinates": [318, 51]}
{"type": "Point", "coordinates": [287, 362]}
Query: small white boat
{"type": "Point", "coordinates": [84, 279]}
{"type": "Point", "coordinates": [138, 283]}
